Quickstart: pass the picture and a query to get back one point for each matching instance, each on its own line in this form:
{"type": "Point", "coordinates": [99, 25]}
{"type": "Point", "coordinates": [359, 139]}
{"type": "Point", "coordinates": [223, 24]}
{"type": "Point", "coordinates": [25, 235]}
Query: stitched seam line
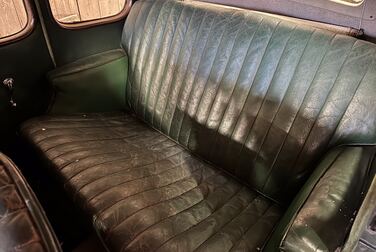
{"type": "Point", "coordinates": [149, 54]}
{"type": "Point", "coordinates": [186, 210]}
{"type": "Point", "coordinates": [247, 207]}
{"type": "Point", "coordinates": [322, 107]}
{"type": "Point", "coordinates": [210, 73]}
{"type": "Point", "coordinates": [163, 201]}
{"type": "Point", "coordinates": [174, 74]}
{"type": "Point", "coordinates": [237, 82]}
{"type": "Point", "coordinates": [185, 74]}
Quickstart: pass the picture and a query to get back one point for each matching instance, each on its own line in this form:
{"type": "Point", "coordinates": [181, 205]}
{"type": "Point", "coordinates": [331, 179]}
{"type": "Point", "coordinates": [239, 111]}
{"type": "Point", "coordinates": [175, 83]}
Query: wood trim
{"type": "Point", "coordinates": [96, 22]}
{"type": "Point", "coordinates": [26, 31]}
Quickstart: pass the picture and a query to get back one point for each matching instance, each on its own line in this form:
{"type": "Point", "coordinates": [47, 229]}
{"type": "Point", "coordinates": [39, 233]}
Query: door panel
{"type": "Point", "coordinates": [26, 61]}
{"type": "Point", "coordinates": [71, 44]}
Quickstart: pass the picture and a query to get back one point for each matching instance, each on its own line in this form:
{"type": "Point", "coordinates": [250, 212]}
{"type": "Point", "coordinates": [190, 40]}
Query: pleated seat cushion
{"type": "Point", "coordinates": [145, 192]}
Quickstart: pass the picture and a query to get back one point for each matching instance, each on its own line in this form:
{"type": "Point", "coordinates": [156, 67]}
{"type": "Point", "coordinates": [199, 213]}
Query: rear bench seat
{"type": "Point", "coordinates": [229, 112]}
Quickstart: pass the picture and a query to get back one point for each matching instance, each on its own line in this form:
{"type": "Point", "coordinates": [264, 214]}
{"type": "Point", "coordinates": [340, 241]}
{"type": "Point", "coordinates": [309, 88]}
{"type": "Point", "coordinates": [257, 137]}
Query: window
{"type": "Point", "coordinates": [15, 20]}
{"type": "Point", "coordinates": [78, 13]}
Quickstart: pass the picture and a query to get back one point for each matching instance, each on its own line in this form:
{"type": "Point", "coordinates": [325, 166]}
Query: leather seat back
{"type": "Point", "coordinates": [258, 96]}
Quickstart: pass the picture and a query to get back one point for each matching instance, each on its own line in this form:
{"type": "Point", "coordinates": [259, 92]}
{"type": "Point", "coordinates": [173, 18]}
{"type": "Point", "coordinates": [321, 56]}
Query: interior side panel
{"type": "Point", "coordinates": [69, 45]}
{"type": "Point", "coordinates": [26, 61]}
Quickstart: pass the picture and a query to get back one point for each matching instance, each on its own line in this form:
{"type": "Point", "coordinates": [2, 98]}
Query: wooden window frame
{"type": "Point", "coordinates": [26, 31]}
{"type": "Point", "coordinates": [94, 22]}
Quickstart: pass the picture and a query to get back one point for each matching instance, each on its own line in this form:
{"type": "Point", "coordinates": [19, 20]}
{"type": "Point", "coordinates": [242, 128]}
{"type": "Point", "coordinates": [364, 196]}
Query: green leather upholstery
{"type": "Point", "coordinates": [321, 216]}
{"type": "Point", "coordinates": [92, 84]}
{"type": "Point", "coordinates": [272, 95]}
{"type": "Point", "coordinates": [258, 99]}
{"type": "Point", "coordinates": [145, 192]}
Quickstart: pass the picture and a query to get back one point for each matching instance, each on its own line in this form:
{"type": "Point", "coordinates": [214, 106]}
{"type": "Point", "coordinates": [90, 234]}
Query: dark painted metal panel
{"type": "Point", "coordinates": [26, 61]}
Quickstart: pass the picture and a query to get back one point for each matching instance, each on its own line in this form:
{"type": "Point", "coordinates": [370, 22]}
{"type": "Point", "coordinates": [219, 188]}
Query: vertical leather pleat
{"type": "Point", "coordinates": [261, 97]}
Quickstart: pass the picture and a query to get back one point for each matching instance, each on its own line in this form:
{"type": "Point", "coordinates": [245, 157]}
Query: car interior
{"type": "Point", "coordinates": [187, 125]}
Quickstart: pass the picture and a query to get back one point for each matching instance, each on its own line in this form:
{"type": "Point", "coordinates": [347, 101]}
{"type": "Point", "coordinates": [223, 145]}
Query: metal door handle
{"type": "Point", "coordinates": [9, 84]}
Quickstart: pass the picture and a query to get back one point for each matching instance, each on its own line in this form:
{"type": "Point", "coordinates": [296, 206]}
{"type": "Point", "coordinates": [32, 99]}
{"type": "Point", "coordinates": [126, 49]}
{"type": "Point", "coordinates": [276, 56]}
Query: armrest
{"type": "Point", "coordinates": [93, 84]}
{"type": "Point", "coordinates": [321, 216]}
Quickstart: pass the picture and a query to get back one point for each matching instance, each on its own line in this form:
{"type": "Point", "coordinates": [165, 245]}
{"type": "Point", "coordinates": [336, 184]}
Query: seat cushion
{"type": "Point", "coordinates": [145, 192]}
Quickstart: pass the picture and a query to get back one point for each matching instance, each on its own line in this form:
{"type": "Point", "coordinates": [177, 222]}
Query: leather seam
{"type": "Point", "coordinates": [279, 105]}
{"type": "Point", "coordinates": [185, 74]}
{"type": "Point", "coordinates": [147, 58]}
{"type": "Point", "coordinates": [251, 128]}
{"type": "Point", "coordinates": [237, 80]}
{"type": "Point", "coordinates": [106, 162]}
{"type": "Point", "coordinates": [209, 75]}
{"type": "Point", "coordinates": [249, 92]}
{"type": "Point", "coordinates": [231, 197]}
{"type": "Point", "coordinates": [121, 184]}
{"type": "Point", "coordinates": [102, 212]}
{"type": "Point", "coordinates": [242, 211]}
{"type": "Point", "coordinates": [177, 59]}
{"type": "Point", "coordinates": [253, 80]}
{"type": "Point", "coordinates": [300, 106]}
{"type": "Point", "coordinates": [168, 217]}
{"type": "Point", "coordinates": [249, 228]}
{"type": "Point", "coordinates": [156, 69]}
{"type": "Point", "coordinates": [224, 71]}
{"type": "Point", "coordinates": [128, 169]}
{"type": "Point", "coordinates": [323, 105]}
{"type": "Point", "coordinates": [279, 108]}
{"type": "Point", "coordinates": [133, 65]}
{"type": "Point", "coordinates": [353, 96]}
{"type": "Point", "coordinates": [86, 158]}
{"type": "Point", "coordinates": [168, 57]}
{"type": "Point", "coordinates": [161, 202]}
{"type": "Point", "coordinates": [195, 77]}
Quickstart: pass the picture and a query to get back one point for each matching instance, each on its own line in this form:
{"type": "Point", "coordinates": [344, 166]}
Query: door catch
{"type": "Point", "coordinates": [9, 84]}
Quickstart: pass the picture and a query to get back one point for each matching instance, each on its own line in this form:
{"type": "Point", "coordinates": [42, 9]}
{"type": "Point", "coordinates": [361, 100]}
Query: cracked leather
{"type": "Point", "coordinates": [242, 106]}
{"type": "Point", "coordinates": [23, 225]}
{"type": "Point", "coordinates": [145, 192]}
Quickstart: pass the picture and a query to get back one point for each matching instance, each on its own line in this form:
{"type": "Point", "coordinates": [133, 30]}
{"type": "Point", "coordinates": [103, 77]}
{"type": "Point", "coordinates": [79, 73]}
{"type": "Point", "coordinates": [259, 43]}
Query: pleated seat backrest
{"type": "Point", "coordinates": [260, 97]}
